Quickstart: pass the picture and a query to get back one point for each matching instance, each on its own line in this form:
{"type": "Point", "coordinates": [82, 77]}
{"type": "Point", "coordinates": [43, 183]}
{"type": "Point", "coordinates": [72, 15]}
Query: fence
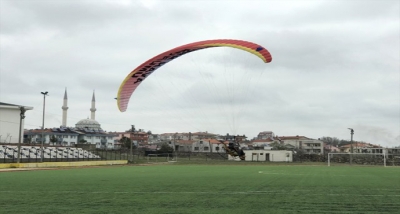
{"type": "Point", "coordinates": [9, 154]}
{"type": "Point", "coordinates": [358, 159]}
{"type": "Point", "coordinates": [28, 154]}
{"type": "Point", "coordinates": [180, 156]}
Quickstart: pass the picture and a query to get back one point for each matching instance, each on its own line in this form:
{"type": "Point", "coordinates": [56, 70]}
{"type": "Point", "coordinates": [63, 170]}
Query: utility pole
{"type": "Point", "coordinates": [42, 145]}
{"type": "Point", "coordinates": [22, 116]}
{"type": "Point", "coordinates": [175, 141]}
{"type": "Point", "coordinates": [133, 131]}
{"type": "Point", "coordinates": [351, 145]}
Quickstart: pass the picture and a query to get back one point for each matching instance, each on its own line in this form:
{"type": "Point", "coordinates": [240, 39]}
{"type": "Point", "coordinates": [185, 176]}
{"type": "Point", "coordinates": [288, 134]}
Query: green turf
{"type": "Point", "coordinates": [172, 188]}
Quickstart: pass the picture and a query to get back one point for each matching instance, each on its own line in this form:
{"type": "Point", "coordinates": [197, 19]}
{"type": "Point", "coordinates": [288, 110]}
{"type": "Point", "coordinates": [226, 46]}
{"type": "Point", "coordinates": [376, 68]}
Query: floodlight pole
{"type": "Point", "coordinates": [22, 116]}
{"type": "Point", "coordinates": [351, 145]}
{"type": "Point", "coordinates": [42, 141]}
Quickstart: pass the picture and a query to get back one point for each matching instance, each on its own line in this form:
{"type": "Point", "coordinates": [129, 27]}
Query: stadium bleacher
{"type": "Point", "coordinates": [10, 152]}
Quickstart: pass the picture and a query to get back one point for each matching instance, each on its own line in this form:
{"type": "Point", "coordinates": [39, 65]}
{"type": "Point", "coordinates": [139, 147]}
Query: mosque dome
{"type": "Point", "coordinates": [88, 123]}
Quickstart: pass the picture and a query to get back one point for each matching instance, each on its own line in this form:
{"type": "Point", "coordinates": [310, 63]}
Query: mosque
{"type": "Point", "coordinates": [91, 123]}
{"type": "Point", "coordinates": [86, 131]}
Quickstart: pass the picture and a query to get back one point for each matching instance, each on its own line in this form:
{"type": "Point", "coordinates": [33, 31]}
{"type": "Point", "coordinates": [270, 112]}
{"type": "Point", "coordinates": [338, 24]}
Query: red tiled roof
{"type": "Point", "coordinates": [214, 141]}
{"type": "Point", "coordinates": [262, 140]}
{"type": "Point", "coordinates": [291, 137]}
{"type": "Point", "coordinates": [356, 144]}
{"type": "Point", "coordinates": [202, 133]}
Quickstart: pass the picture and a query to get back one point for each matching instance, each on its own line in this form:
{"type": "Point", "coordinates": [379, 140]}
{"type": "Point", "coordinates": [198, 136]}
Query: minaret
{"type": "Point", "coordinates": [93, 109]}
{"type": "Point", "coordinates": [64, 109]}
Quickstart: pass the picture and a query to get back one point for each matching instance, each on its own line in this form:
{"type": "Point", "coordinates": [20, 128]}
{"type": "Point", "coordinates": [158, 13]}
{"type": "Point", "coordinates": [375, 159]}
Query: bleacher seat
{"type": "Point", "coordinates": [33, 152]}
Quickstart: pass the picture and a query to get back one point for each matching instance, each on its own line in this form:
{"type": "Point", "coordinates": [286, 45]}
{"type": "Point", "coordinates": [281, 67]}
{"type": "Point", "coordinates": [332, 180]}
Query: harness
{"type": "Point", "coordinates": [232, 151]}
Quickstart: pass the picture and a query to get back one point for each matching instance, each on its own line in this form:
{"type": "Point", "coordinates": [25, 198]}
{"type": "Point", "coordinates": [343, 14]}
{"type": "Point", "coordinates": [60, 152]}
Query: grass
{"type": "Point", "coordinates": [200, 188]}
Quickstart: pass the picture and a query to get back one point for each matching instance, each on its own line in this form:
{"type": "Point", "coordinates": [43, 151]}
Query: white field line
{"type": "Point", "coordinates": [200, 193]}
{"type": "Point", "coordinates": [278, 173]}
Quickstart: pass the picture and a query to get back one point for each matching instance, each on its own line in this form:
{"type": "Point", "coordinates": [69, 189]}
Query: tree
{"type": "Point", "coordinates": [277, 146]}
{"type": "Point", "coordinates": [334, 141]}
{"type": "Point", "coordinates": [53, 139]}
{"type": "Point", "coordinates": [344, 142]}
{"type": "Point", "coordinates": [165, 148]}
{"type": "Point", "coordinates": [126, 142]}
{"type": "Point", "coordinates": [28, 139]}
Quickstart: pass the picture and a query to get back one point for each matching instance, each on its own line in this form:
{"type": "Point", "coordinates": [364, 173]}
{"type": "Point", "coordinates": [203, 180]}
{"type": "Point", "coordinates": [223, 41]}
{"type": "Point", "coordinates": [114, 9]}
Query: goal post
{"type": "Point", "coordinates": [162, 157]}
{"type": "Point", "coordinates": [357, 158]}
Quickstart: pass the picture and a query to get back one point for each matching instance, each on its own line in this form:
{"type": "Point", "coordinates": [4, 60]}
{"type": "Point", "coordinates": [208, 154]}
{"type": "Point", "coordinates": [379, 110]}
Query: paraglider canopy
{"type": "Point", "coordinates": [134, 78]}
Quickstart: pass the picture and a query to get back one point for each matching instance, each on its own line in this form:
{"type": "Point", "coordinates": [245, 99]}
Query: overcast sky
{"type": "Point", "coordinates": [335, 65]}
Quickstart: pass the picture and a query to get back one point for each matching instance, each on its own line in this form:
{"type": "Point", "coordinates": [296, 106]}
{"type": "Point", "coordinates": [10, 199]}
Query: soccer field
{"type": "Point", "coordinates": [230, 189]}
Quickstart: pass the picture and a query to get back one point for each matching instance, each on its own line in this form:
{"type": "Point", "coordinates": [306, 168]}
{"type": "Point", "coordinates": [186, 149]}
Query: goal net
{"type": "Point", "coordinates": [164, 157]}
{"type": "Point", "coordinates": [357, 159]}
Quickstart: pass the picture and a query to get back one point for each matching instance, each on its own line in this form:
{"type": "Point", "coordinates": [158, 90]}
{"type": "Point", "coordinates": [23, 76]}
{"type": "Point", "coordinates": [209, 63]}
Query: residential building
{"type": "Point", "coordinates": [262, 144]}
{"type": "Point", "coordinates": [331, 148]}
{"type": "Point", "coordinates": [306, 144]}
{"type": "Point", "coordinates": [265, 135]}
{"type": "Point", "coordinates": [139, 137]}
{"type": "Point", "coordinates": [359, 147]}
{"type": "Point", "coordinates": [68, 136]}
{"type": "Point", "coordinates": [202, 135]}
{"type": "Point", "coordinates": [208, 145]}
{"type": "Point", "coordinates": [182, 145]}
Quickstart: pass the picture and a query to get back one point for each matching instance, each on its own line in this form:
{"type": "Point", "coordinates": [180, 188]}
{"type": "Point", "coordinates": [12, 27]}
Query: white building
{"type": "Point", "coordinates": [10, 122]}
{"type": "Point", "coordinates": [267, 156]}
{"type": "Point", "coordinates": [208, 146]}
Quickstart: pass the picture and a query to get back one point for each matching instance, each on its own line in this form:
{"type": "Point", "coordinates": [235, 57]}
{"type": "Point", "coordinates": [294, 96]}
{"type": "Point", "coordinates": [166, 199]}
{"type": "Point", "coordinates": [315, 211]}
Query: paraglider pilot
{"type": "Point", "coordinates": [234, 150]}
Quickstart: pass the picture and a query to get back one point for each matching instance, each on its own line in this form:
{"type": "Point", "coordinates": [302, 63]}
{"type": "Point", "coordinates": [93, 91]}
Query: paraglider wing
{"type": "Point", "coordinates": [132, 81]}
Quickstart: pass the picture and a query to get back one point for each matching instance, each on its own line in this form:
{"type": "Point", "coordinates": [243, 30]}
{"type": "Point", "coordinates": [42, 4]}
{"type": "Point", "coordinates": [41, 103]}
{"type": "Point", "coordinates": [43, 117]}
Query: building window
{"type": "Point", "coordinates": [205, 148]}
{"type": "Point", "coordinates": [196, 148]}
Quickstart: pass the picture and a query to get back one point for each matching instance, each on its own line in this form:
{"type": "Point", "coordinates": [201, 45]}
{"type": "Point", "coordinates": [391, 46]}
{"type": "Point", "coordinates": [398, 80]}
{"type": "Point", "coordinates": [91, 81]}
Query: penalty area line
{"type": "Point", "coordinates": [214, 193]}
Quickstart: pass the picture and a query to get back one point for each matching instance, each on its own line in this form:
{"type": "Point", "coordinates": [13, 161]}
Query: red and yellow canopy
{"type": "Point", "coordinates": [132, 81]}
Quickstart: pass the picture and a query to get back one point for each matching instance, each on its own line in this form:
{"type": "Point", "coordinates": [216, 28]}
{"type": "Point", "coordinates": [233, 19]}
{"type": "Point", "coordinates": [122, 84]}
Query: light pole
{"type": "Point", "coordinates": [22, 116]}
{"type": "Point", "coordinates": [133, 131]}
{"type": "Point", "coordinates": [351, 145]}
{"type": "Point", "coordinates": [44, 104]}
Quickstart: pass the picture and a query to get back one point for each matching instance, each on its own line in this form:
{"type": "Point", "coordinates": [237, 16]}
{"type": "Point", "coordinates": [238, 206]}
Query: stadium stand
{"type": "Point", "coordinates": [32, 152]}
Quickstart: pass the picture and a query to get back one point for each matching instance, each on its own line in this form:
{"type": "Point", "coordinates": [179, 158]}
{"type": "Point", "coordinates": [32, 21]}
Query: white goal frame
{"type": "Point", "coordinates": [329, 156]}
{"type": "Point", "coordinates": [168, 158]}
